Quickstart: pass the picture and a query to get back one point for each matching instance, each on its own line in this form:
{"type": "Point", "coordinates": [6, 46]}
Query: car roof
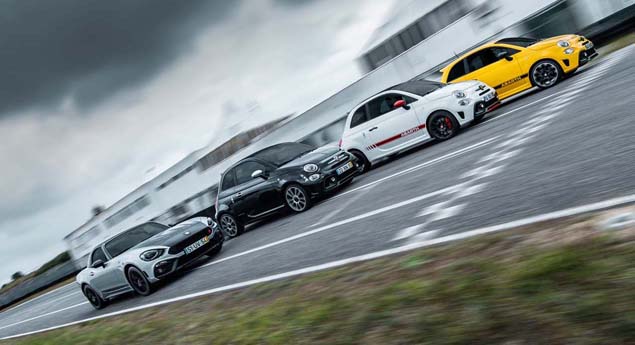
{"type": "Point", "coordinates": [411, 86]}
{"type": "Point", "coordinates": [507, 40]}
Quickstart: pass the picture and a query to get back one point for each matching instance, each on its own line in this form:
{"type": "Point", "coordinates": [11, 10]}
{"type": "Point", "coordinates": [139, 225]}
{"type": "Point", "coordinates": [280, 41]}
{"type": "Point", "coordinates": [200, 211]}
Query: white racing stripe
{"type": "Point", "coordinates": [629, 199]}
{"type": "Point", "coordinates": [44, 315]}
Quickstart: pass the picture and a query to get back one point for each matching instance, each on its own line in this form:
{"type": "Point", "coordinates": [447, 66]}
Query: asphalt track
{"type": "Point", "coordinates": [542, 152]}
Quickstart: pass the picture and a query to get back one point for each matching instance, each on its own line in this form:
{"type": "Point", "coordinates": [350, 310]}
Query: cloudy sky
{"type": "Point", "coordinates": [94, 94]}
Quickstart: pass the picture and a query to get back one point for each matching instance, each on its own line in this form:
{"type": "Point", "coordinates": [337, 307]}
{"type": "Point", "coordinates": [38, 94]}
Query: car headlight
{"type": "Point", "coordinates": [459, 94]}
{"type": "Point", "coordinates": [569, 51]}
{"type": "Point", "coordinates": [151, 254]}
{"type": "Point", "coordinates": [563, 44]}
{"type": "Point", "coordinates": [311, 168]}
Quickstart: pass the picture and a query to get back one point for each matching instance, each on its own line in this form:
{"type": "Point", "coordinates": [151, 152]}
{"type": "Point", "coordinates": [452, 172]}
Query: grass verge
{"type": "Point", "coordinates": [561, 282]}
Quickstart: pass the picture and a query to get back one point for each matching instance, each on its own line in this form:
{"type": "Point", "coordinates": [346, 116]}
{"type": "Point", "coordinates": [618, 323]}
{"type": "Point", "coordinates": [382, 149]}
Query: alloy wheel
{"type": "Point", "coordinates": [229, 226]}
{"type": "Point", "coordinates": [138, 282]}
{"type": "Point", "coordinates": [545, 74]}
{"type": "Point", "coordinates": [442, 127]}
{"type": "Point", "coordinates": [296, 198]}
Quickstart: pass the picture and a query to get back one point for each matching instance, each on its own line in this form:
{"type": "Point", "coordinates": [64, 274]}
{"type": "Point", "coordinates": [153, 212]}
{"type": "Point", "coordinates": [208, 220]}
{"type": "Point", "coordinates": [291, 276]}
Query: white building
{"type": "Point", "coordinates": [418, 38]}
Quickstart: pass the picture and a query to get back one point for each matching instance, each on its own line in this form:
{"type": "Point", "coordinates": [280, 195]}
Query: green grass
{"type": "Point", "coordinates": [493, 290]}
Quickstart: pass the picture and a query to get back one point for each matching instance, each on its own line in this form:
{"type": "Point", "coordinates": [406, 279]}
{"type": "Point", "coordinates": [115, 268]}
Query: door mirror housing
{"type": "Point", "coordinates": [401, 104]}
{"type": "Point", "coordinates": [98, 264]}
{"type": "Point", "coordinates": [504, 54]}
{"type": "Point", "coordinates": [258, 173]}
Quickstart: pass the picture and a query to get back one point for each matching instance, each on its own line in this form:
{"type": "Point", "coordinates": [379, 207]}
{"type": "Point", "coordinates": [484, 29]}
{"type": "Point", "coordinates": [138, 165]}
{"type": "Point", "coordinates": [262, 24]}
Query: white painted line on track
{"type": "Point", "coordinates": [407, 232]}
{"type": "Point", "coordinates": [36, 298]}
{"type": "Point", "coordinates": [331, 226]}
{"type": "Point", "coordinates": [421, 166]}
{"type": "Point", "coordinates": [574, 211]}
{"type": "Point", "coordinates": [342, 207]}
{"type": "Point", "coordinates": [44, 315]}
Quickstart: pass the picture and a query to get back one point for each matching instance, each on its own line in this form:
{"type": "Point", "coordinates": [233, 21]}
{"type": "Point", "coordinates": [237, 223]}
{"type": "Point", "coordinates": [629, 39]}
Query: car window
{"type": "Point", "coordinates": [98, 254]}
{"type": "Point", "coordinates": [282, 153]}
{"type": "Point", "coordinates": [384, 104]}
{"type": "Point", "coordinates": [229, 180]}
{"type": "Point", "coordinates": [481, 59]}
{"type": "Point", "coordinates": [457, 71]}
{"type": "Point", "coordinates": [244, 171]}
{"type": "Point", "coordinates": [499, 52]}
{"type": "Point", "coordinates": [359, 117]}
{"type": "Point", "coordinates": [133, 237]}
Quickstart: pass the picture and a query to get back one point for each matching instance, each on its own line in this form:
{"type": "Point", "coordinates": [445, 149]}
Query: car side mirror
{"type": "Point", "coordinates": [258, 173]}
{"type": "Point", "coordinates": [401, 104]}
{"type": "Point", "coordinates": [97, 264]}
{"type": "Point", "coordinates": [505, 55]}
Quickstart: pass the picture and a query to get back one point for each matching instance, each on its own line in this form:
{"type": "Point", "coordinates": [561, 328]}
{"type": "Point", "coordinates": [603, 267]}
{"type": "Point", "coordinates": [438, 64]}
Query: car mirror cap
{"type": "Point", "coordinates": [97, 264]}
{"type": "Point", "coordinates": [258, 173]}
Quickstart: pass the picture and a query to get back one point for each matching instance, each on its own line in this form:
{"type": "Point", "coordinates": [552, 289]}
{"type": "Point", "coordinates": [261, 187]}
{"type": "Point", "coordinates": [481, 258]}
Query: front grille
{"type": "Point", "coordinates": [483, 93]}
{"type": "Point", "coordinates": [334, 180]}
{"type": "Point", "coordinates": [336, 159]}
{"type": "Point", "coordinates": [179, 247]}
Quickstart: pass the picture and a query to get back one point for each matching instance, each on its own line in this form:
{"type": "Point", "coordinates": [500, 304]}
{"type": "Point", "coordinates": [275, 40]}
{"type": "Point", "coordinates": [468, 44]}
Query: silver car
{"type": "Point", "coordinates": [136, 259]}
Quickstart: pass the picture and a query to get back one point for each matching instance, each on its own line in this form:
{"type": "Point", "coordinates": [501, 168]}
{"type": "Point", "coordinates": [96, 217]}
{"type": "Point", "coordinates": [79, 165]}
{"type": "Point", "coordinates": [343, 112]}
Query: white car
{"type": "Point", "coordinates": [412, 113]}
{"type": "Point", "coordinates": [136, 259]}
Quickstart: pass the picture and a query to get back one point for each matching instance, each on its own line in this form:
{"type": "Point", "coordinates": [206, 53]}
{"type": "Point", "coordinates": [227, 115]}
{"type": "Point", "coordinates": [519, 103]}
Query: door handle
{"type": "Point", "coordinates": [238, 196]}
{"type": "Point", "coordinates": [374, 128]}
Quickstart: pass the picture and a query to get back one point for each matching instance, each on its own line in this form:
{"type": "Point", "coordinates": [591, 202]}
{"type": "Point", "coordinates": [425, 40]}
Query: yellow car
{"type": "Point", "coordinates": [512, 65]}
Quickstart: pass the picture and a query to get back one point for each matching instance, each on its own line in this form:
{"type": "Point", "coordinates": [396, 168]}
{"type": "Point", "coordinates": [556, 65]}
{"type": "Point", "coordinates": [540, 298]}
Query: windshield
{"type": "Point", "coordinates": [132, 237]}
{"type": "Point", "coordinates": [283, 153]}
{"type": "Point", "coordinates": [421, 87]}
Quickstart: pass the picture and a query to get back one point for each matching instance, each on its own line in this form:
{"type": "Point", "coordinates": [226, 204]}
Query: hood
{"type": "Point", "coordinates": [449, 88]}
{"type": "Point", "coordinates": [316, 156]}
{"type": "Point", "coordinates": [172, 236]}
{"type": "Point", "coordinates": [552, 41]}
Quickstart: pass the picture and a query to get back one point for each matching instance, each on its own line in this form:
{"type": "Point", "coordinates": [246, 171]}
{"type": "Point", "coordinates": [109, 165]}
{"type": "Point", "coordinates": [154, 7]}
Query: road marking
{"type": "Point", "coordinates": [447, 212]}
{"type": "Point", "coordinates": [36, 298]}
{"type": "Point", "coordinates": [407, 232]}
{"type": "Point", "coordinates": [331, 226]}
{"type": "Point", "coordinates": [420, 166]}
{"type": "Point", "coordinates": [470, 190]}
{"type": "Point", "coordinates": [342, 207]}
{"type": "Point", "coordinates": [44, 315]}
{"type": "Point", "coordinates": [574, 211]}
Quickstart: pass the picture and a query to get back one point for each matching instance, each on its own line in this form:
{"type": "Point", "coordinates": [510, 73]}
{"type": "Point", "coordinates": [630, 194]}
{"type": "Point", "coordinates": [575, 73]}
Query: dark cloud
{"type": "Point", "coordinates": [89, 49]}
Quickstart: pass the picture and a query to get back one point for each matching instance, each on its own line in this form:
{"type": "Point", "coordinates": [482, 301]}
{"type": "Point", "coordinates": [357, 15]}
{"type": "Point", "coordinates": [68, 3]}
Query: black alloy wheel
{"type": "Point", "coordinates": [139, 282]}
{"type": "Point", "coordinates": [442, 125]}
{"type": "Point", "coordinates": [95, 300]}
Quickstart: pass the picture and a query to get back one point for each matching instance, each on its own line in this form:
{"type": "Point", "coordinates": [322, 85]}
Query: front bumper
{"type": "Point", "coordinates": [170, 264]}
{"type": "Point", "coordinates": [329, 179]}
{"type": "Point", "coordinates": [483, 107]}
{"type": "Point", "coordinates": [586, 56]}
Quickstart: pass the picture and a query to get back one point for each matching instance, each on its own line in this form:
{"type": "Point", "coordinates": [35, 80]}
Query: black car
{"type": "Point", "coordinates": [284, 176]}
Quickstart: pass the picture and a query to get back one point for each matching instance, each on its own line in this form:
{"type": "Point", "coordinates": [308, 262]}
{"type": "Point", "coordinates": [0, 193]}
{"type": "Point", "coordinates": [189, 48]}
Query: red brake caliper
{"type": "Point", "coordinates": [448, 123]}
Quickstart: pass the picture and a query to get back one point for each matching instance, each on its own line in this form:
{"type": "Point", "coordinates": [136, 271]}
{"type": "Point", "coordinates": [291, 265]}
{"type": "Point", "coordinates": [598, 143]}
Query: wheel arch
{"type": "Point", "coordinates": [445, 110]}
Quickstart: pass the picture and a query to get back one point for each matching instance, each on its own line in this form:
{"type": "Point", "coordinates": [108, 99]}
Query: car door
{"type": "Point", "coordinates": [108, 278]}
{"type": "Point", "coordinates": [495, 66]}
{"type": "Point", "coordinates": [254, 197]}
{"type": "Point", "coordinates": [390, 129]}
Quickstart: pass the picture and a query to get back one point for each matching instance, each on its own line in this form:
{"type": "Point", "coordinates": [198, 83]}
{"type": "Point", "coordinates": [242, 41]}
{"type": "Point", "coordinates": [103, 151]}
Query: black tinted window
{"type": "Point", "coordinates": [359, 117]}
{"type": "Point", "coordinates": [244, 171]}
{"type": "Point", "coordinates": [229, 180]}
{"type": "Point", "coordinates": [283, 153]}
{"type": "Point", "coordinates": [133, 237]}
{"type": "Point", "coordinates": [481, 59]}
{"type": "Point", "coordinates": [384, 104]}
{"type": "Point", "coordinates": [500, 52]}
{"type": "Point", "coordinates": [98, 254]}
{"type": "Point", "coordinates": [457, 71]}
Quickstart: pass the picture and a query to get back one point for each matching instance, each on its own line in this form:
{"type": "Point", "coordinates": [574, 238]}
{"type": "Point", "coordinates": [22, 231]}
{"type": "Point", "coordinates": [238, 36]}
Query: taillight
{"type": "Point", "coordinates": [340, 144]}
{"type": "Point", "coordinates": [216, 204]}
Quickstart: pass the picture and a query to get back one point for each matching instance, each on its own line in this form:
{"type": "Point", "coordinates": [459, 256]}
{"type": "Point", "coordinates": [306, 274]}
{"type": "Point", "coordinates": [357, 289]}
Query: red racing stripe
{"type": "Point", "coordinates": [400, 135]}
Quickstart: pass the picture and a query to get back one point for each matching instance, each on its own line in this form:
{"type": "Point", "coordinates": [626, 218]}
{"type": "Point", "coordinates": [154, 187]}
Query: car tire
{"type": "Point", "coordinates": [362, 160]}
{"type": "Point", "coordinates": [545, 74]}
{"type": "Point", "coordinates": [296, 198]}
{"type": "Point", "coordinates": [230, 226]}
{"type": "Point", "coordinates": [138, 281]}
{"type": "Point", "coordinates": [442, 125]}
{"type": "Point", "coordinates": [93, 298]}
